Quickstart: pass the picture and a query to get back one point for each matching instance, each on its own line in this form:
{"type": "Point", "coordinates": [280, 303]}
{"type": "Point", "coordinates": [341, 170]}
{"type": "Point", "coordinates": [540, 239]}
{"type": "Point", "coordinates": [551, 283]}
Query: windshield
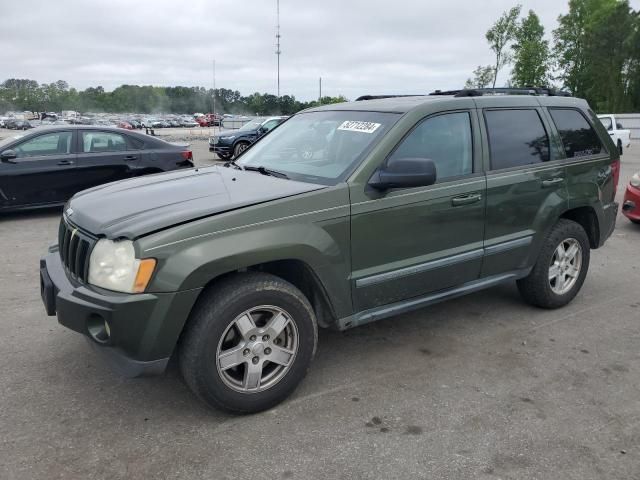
{"type": "Point", "coordinates": [252, 125]}
{"type": "Point", "coordinates": [320, 147]}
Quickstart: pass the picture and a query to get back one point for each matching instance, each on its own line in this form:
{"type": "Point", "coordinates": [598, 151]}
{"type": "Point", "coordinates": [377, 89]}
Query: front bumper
{"type": "Point", "coordinates": [144, 328]}
{"type": "Point", "coordinates": [221, 148]}
{"type": "Point", "coordinates": [631, 203]}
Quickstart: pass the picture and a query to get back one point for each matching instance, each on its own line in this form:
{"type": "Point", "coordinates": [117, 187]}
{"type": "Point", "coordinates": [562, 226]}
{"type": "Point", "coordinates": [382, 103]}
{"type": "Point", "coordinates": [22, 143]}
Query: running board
{"type": "Point", "coordinates": [385, 311]}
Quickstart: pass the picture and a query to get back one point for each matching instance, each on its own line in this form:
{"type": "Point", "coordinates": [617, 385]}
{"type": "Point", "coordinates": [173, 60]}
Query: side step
{"type": "Point", "coordinates": [411, 304]}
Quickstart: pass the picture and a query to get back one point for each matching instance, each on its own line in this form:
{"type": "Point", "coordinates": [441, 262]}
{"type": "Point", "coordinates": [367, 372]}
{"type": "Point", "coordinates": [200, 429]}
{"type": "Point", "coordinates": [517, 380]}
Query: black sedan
{"type": "Point", "coordinates": [48, 165]}
{"type": "Point", "coordinates": [231, 143]}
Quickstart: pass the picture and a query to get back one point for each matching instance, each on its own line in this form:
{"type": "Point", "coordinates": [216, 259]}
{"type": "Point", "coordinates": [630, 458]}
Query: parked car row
{"type": "Point", "coordinates": [126, 121]}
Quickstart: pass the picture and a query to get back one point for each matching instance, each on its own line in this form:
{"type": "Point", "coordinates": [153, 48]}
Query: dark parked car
{"type": "Point", "coordinates": [231, 143]}
{"type": "Point", "coordinates": [401, 203]}
{"type": "Point", "coordinates": [49, 165]}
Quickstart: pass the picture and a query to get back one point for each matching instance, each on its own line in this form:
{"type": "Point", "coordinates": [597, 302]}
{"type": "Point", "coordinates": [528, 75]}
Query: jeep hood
{"type": "Point", "coordinates": [136, 207]}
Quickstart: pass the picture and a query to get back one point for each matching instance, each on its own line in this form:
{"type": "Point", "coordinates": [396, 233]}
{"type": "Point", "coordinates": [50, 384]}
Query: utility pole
{"type": "Point", "coordinates": [214, 88]}
{"type": "Point", "coordinates": [320, 95]}
{"type": "Point", "coordinates": [278, 51]}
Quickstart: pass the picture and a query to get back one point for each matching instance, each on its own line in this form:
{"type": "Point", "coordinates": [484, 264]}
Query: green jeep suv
{"type": "Point", "coordinates": [343, 215]}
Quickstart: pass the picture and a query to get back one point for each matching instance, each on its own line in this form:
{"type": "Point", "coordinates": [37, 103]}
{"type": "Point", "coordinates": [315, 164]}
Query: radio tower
{"type": "Point", "coordinates": [278, 51]}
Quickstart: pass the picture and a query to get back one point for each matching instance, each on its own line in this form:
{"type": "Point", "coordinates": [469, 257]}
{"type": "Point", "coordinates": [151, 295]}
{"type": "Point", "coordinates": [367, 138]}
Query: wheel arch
{"type": "Point", "coordinates": [586, 217]}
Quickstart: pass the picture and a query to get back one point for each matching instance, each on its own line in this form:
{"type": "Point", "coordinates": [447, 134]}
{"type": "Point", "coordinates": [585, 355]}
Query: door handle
{"type": "Point", "coordinates": [465, 200]}
{"type": "Point", "coordinates": [552, 182]}
{"type": "Point", "coordinates": [65, 162]}
{"type": "Point", "coordinates": [131, 157]}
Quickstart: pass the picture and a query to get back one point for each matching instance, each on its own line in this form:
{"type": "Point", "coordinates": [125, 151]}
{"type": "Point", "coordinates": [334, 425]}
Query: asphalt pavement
{"type": "Point", "coordinates": [482, 387]}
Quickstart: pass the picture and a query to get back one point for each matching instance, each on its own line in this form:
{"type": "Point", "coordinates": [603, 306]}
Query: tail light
{"type": "Point", "coordinates": [187, 155]}
{"type": "Point", "coordinates": [615, 167]}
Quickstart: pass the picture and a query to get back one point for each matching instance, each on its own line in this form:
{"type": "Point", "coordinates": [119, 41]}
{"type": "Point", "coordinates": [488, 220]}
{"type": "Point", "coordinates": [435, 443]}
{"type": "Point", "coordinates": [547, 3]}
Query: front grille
{"type": "Point", "coordinates": [75, 248]}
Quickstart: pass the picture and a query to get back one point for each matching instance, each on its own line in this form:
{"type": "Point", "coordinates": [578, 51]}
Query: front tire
{"type": "Point", "coordinates": [249, 343]}
{"type": "Point", "coordinates": [560, 269]}
{"type": "Point", "coordinates": [239, 148]}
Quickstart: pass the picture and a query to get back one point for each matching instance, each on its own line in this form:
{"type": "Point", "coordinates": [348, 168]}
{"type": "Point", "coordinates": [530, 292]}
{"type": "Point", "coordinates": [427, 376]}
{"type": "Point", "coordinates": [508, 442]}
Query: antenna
{"type": "Point", "coordinates": [278, 51]}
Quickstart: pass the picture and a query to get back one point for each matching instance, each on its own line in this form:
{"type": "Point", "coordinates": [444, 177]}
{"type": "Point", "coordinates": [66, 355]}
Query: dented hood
{"type": "Point", "coordinates": [136, 207]}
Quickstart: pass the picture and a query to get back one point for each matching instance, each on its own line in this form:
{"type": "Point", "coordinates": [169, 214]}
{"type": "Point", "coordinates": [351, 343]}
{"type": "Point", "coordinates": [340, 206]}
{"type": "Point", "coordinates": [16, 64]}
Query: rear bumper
{"type": "Point", "coordinates": [610, 213]}
{"type": "Point", "coordinates": [631, 203]}
{"type": "Point", "coordinates": [143, 328]}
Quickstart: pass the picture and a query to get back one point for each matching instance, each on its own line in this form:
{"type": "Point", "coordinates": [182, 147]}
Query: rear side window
{"type": "Point", "coordinates": [578, 136]}
{"type": "Point", "coordinates": [445, 139]}
{"type": "Point", "coordinates": [98, 142]}
{"type": "Point", "coordinates": [516, 138]}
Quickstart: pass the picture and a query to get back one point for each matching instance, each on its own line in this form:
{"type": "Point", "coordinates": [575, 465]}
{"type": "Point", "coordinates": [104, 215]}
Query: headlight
{"type": "Point", "coordinates": [635, 180]}
{"type": "Point", "coordinates": [114, 266]}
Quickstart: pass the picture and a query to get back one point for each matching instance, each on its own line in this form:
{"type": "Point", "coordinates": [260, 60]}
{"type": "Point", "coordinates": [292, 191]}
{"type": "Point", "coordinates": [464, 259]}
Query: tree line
{"type": "Point", "coordinates": [24, 94]}
{"type": "Point", "coordinates": [594, 53]}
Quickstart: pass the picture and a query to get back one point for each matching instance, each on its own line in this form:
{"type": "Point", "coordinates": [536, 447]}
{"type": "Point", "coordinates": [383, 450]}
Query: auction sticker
{"type": "Point", "coordinates": [355, 126]}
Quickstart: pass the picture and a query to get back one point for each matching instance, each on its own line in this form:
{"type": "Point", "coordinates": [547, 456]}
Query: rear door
{"type": "Point", "coordinates": [42, 173]}
{"type": "Point", "coordinates": [106, 156]}
{"type": "Point", "coordinates": [526, 184]}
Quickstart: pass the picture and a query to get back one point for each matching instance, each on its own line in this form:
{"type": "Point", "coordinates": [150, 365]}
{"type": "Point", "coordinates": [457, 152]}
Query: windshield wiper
{"type": "Point", "coordinates": [265, 171]}
{"type": "Point", "coordinates": [232, 163]}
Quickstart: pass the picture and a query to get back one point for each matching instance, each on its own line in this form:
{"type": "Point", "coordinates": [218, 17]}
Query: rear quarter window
{"type": "Point", "coordinates": [516, 138]}
{"type": "Point", "coordinates": [579, 139]}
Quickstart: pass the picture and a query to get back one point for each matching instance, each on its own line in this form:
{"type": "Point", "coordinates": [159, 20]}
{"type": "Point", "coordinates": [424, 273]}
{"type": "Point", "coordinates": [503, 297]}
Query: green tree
{"type": "Point", "coordinates": [530, 53]}
{"type": "Point", "coordinates": [500, 35]}
{"type": "Point", "coordinates": [482, 77]}
{"type": "Point", "coordinates": [597, 51]}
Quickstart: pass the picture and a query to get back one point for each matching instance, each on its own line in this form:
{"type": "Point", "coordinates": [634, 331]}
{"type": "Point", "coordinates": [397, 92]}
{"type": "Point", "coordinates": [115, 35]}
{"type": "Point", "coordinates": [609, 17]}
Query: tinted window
{"type": "Point", "coordinates": [58, 143]}
{"type": "Point", "coordinates": [578, 137]}
{"type": "Point", "coordinates": [445, 139]}
{"type": "Point", "coordinates": [516, 138]}
{"type": "Point", "coordinates": [96, 142]}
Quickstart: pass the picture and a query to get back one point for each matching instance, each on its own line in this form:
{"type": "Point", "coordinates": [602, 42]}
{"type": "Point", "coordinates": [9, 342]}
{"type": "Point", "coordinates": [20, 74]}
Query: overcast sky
{"type": "Point", "coordinates": [358, 47]}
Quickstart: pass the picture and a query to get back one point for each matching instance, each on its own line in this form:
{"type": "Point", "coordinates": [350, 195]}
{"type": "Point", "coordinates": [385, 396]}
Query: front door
{"type": "Point", "coordinates": [409, 242]}
{"type": "Point", "coordinates": [42, 172]}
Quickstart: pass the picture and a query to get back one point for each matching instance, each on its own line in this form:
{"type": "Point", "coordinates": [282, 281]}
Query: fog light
{"type": "Point", "coordinates": [98, 328]}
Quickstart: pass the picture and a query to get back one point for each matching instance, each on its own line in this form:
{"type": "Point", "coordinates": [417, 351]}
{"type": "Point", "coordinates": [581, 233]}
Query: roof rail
{"type": "Point", "coordinates": [377, 97]}
{"type": "Point", "coordinates": [479, 92]}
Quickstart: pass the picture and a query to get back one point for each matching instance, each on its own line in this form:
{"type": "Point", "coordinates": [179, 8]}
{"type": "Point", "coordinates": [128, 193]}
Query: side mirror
{"type": "Point", "coordinates": [8, 155]}
{"type": "Point", "coordinates": [619, 126]}
{"type": "Point", "coordinates": [404, 173]}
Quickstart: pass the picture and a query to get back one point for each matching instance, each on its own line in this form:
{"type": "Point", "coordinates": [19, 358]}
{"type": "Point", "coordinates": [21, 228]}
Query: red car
{"type": "Point", "coordinates": [126, 125]}
{"type": "Point", "coordinates": [631, 204]}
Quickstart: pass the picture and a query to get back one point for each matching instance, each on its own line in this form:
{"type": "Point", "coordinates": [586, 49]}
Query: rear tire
{"type": "Point", "coordinates": [560, 269]}
{"type": "Point", "coordinates": [249, 343]}
{"type": "Point", "coordinates": [619, 147]}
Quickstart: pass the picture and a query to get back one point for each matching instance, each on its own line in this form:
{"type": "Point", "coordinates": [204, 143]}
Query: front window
{"type": "Point", "coordinates": [58, 143]}
{"type": "Point", "coordinates": [606, 121]}
{"type": "Point", "coordinates": [320, 147]}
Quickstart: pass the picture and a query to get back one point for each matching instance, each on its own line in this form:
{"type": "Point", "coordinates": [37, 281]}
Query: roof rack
{"type": "Point", "coordinates": [479, 92]}
{"type": "Point", "coordinates": [377, 97]}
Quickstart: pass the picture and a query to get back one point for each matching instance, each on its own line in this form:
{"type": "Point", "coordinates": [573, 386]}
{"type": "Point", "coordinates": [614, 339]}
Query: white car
{"type": "Point", "coordinates": [620, 136]}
